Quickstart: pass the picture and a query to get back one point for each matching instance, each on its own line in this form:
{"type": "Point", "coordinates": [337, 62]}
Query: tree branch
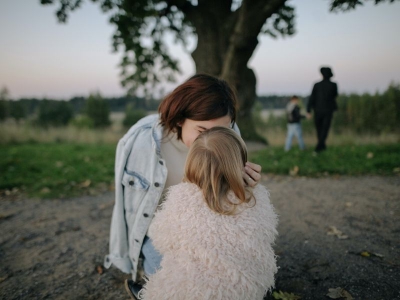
{"type": "Point", "coordinates": [251, 16]}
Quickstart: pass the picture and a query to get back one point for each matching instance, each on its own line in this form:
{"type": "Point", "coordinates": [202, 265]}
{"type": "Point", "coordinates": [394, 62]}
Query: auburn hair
{"type": "Point", "coordinates": [201, 98]}
{"type": "Point", "coordinates": [215, 164]}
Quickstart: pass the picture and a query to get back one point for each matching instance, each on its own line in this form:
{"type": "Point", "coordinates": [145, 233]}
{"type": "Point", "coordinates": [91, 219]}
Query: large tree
{"type": "Point", "coordinates": [226, 30]}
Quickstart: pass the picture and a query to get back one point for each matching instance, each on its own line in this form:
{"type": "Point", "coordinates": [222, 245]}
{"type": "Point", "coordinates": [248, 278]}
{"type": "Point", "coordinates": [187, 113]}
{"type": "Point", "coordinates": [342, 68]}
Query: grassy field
{"type": "Point", "coordinates": [337, 160]}
{"type": "Point", "coordinates": [67, 161]}
{"type": "Point", "coordinates": [54, 170]}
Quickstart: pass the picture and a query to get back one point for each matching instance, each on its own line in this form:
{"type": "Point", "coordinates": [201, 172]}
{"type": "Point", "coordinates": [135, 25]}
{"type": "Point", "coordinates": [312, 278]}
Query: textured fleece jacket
{"type": "Point", "coordinates": [212, 256]}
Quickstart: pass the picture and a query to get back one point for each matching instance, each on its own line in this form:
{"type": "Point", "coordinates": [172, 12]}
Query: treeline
{"type": "Point", "coordinates": [30, 106]}
{"type": "Point", "coordinates": [92, 112]}
{"type": "Point", "coordinates": [275, 101]}
{"type": "Point", "coordinates": [376, 113]}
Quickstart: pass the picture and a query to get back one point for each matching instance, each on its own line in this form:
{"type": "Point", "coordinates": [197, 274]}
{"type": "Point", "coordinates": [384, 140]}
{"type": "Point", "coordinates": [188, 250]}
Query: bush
{"type": "Point", "coordinates": [377, 113]}
{"type": "Point", "coordinates": [54, 113]}
{"type": "Point", "coordinates": [132, 116]}
{"type": "Point", "coordinates": [82, 122]}
{"type": "Point", "coordinates": [3, 110]}
{"type": "Point", "coordinates": [98, 111]}
{"type": "Point", "coordinates": [17, 110]}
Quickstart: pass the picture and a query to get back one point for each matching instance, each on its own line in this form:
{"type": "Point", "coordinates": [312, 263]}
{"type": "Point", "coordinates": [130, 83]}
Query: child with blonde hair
{"type": "Point", "coordinates": [214, 232]}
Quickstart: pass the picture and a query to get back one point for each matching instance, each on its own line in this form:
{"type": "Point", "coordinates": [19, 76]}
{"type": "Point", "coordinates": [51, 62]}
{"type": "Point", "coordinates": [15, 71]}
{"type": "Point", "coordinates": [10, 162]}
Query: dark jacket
{"type": "Point", "coordinates": [293, 113]}
{"type": "Point", "coordinates": [323, 97]}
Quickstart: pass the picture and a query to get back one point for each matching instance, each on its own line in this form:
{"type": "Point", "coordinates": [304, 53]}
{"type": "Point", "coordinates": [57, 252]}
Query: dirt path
{"type": "Point", "coordinates": [49, 249]}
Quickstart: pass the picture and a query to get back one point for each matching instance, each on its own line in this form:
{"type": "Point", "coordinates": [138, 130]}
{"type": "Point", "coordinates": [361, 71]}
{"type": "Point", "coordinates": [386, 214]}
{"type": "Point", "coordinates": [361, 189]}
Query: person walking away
{"type": "Point", "coordinates": [323, 102]}
{"type": "Point", "coordinates": [294, 123]}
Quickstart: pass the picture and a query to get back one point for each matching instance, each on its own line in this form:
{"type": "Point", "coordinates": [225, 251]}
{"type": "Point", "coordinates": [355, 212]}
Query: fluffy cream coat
{"type": "Point", "coordinates": [212, 256]}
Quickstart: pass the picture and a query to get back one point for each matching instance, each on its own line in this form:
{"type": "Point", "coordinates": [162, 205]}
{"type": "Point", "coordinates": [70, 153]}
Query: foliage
{"type": "Point", "coordinates": [4, 110]}
{"type": "Point", "coordinates": [225, 42]}
{"type": "Point", "coordinates": [369, 113]}
{"type": "Point", "coordinates": [55, 170]}
{"type": "Point", "coordinates": [17, 110]}
{"type": "Point", "coordinates": [54, 113]}
{"type": "Point", "coordinates": [132, 116]}
{"type": "Point", "coordinates": [273, 101]}
{"type": "Point", "coordinates": [141, 27]}
{"type": "Point", "coordinates": [82, 121]}
{"type": "Point", "coordinates": [345, 5]}
{"type": "Point", "coordinates": [98, 111]}
{"type": "Point", "coordinates": [285, 296]}
{"type": "Point", "coordinates": [4, 93]}
{"type": "Point", "coordinates": [337, 160]}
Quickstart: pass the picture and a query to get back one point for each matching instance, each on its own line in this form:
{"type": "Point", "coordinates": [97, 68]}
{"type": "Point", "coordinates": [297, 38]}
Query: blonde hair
{"type": "Point", "coordinates": [215, 164]}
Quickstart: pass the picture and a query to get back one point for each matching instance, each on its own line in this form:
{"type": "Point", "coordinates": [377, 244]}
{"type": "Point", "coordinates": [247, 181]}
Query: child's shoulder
{"type": "Point", "coordinates": [184, 191]}
{"type": "Point", "coordinates": [183, 188]}
{"type": "Point", "coordinates": [261, 191]}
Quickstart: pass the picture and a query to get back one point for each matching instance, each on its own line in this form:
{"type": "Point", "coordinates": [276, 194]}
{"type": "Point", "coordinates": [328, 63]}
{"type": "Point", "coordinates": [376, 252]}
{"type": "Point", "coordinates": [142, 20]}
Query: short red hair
{"type": "Point", "coordinates": [201, 98]}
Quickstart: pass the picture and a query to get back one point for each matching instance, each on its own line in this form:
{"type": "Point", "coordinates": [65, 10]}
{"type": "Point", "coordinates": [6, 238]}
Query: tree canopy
{"type": "Point", "coordinates": [141, 26]}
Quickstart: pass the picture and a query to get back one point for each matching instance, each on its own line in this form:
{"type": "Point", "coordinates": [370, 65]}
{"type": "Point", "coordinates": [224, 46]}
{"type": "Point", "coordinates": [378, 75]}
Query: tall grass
{"type": "Point", "coordinates": [13, 133]}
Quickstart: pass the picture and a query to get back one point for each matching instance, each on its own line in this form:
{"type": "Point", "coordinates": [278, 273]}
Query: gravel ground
{"type": "Point", "coordinates": [54, 249]}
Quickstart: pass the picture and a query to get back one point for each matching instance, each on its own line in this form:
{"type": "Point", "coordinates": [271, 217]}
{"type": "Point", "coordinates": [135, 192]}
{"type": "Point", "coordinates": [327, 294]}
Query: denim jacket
{"type": "Point", "coordinates": [140, 176]}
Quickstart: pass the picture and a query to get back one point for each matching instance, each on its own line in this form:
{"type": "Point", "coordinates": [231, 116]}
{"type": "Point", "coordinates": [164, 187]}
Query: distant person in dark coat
{"type": "Point", "coordinates": [323, 102]}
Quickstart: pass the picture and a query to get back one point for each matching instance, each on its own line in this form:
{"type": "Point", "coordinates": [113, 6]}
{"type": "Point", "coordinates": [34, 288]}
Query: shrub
{"type": "Point", "coordinates": [377, 113]}
{"type": "Point", "coordinates": [17, 110]}
{"type": "Point", "coordinates": [98, 111]}
{"type": "Point", "coordinates": [82, 121]}
{"type": "Point", "coordinates": [132, 116]}
{"type": "Point", "coordinates": [3, 110]}
{"type": "Point", "coordinates": [54, 113]}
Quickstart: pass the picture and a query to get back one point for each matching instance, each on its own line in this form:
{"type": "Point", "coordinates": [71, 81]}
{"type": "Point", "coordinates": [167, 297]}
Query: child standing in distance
{"type": "Point", "coordinates": [294, 126]}
{"type": "Point", "coordinates": [214, 232]}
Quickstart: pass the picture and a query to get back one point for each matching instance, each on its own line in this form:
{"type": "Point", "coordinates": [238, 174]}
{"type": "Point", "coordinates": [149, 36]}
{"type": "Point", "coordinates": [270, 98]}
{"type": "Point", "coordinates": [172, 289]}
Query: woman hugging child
{"type": "Point", "coordinates": [214, 232]}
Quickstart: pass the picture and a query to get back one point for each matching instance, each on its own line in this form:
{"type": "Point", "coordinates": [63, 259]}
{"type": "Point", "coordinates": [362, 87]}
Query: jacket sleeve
{"type": "Point", "coordinates": [311, 100]}
{"type": "Point", "coordinates": [335, 106]}
{"type": "Point", "coordinates": [119, 247]}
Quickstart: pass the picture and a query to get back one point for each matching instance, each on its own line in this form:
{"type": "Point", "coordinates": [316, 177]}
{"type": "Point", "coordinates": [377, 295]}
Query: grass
{"type": "Point", "coordinates": [66, 162]}
{"type": "Point", "coordinates": [336, 160]}
{"type": "Point", "coordinates": [12, 133]}
{"type": "Point", "coordinates": [57, 170]}
{"type": "Point", "coordinates": [52, 170]}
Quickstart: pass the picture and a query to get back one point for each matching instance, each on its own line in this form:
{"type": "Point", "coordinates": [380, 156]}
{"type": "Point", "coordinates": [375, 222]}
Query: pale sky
{"type": "Point", "coordinates": [41, 58]}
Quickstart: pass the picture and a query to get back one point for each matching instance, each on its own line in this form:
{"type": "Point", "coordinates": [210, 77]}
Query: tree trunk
{"type": "Point", "coordinates": [225, 44]}
{"type": "Point", "coordinates": [242, 79]}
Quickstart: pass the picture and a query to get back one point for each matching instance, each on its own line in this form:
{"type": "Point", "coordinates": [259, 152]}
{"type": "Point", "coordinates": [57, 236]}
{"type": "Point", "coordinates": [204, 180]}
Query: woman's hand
{"type": "Point", "coordinates": [252, 174]}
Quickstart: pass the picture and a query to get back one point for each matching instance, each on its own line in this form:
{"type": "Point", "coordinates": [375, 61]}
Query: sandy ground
{"type": "Point", "coordinates": [53, 249]}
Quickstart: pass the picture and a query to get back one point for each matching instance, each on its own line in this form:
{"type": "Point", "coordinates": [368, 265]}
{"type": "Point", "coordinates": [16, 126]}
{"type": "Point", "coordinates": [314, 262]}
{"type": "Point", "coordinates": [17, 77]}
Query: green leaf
{"type": "Point", "coordinates": [285, 296]}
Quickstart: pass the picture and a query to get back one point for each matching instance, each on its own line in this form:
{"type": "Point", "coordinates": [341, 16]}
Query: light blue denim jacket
{"type": "Point", "coordinates": [140, 176]}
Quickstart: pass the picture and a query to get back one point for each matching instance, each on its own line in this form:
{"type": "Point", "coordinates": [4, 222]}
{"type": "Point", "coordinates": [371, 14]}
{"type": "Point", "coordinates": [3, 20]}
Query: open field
{"type": "Point", "coordinates": [61, 170]}
{"type": "Point", "coordinates": [67, 161]}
